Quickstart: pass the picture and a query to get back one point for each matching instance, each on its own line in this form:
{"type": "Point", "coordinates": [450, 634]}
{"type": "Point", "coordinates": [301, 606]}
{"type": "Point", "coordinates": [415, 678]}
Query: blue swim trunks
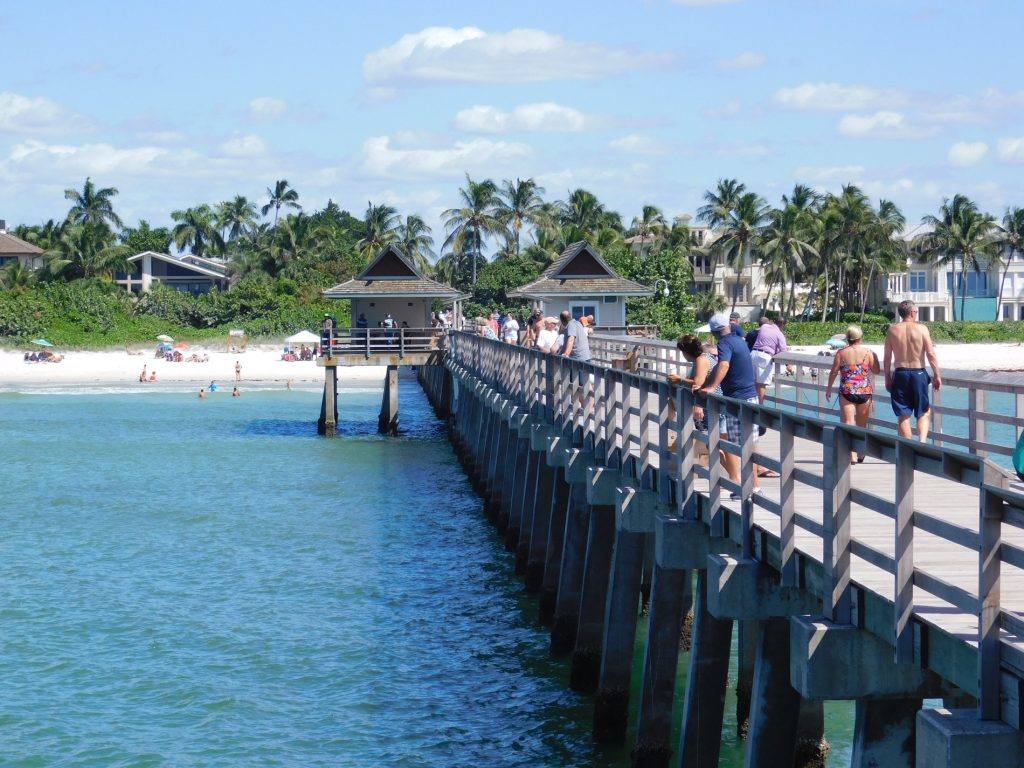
{"type": "Point", "coordinates": [910, 392]}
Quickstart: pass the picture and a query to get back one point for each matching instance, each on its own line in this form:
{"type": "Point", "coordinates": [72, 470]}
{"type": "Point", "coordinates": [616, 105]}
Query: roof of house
{"type": "Point", "coordinates": [390, 274]}
{"type": "Point", "coordinates": [11, 245]}
{"type": "Point", "coordinates": [197, 264]}
{"type": "Point", "coordinates": [580, 271]}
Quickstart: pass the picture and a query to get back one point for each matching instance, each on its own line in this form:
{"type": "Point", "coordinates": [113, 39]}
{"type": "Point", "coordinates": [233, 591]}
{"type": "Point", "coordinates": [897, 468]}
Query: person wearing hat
{"type": "Point", "coordinates": [547, 338]}
{"type": "Point", "coordinates": [734, 324]}
{"type": "Point", "coordinates": [735, 375]}
{"type": "Point", "coordinates": [856, 366]}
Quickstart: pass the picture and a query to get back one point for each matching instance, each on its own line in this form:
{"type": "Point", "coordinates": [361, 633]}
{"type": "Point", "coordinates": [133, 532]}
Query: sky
{"type": "Point", "coordinates": [645, 102]}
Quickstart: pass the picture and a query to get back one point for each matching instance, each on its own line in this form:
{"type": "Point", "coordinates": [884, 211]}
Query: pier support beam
{"type": "Point", "coordinates": [540, 525]}
{"type": "Point", "coordinates": [327, 424]}
{"type": "Point", "coordinates": [555, 545]}
{"type": "Point", "coordinates": [958, 738]}
{"type": "Point", "coordinates": [527, 504]}
{"type": "Point", "coordinates": [586, 655]}
{"type": "Point", "coordinates": [387, 423]}
{"type": "Point", "coordinates": [671, 600]}
{"type": "Point", "coordinates": [774, 706]}
{"type": "Point", "coordinates": [883, 733]}
{"type": "Point", "coordinates": [634, 526]}
{"type": "Point", "coordinates": [574, 554]}
{"type": "Point", "coordinates": [701, 738]}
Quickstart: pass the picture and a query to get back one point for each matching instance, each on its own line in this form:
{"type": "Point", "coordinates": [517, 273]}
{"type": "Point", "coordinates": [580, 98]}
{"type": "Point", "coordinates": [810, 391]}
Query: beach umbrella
{"type": "Point", "coordinates": [41, 343]}
{"type": "Point", "coordinates": [181, 345]}
{"type": "Point", "coordinates": [303, 337]}
{"type": "Point", "coordinates": [164, 337]}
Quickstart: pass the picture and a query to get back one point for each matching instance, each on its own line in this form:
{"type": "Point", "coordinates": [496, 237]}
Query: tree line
{"type": "Point", "coordinates": [834, 244]}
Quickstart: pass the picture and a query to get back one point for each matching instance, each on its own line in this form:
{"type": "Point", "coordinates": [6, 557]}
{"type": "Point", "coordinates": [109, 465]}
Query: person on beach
{"type": "Point", "coordinates": [908, 344]}
{"type": "Point", "coordinates": [856, 367]}
{"type": "Point", "coordinates": [142, 376]}
{"type": "Point", "coordinates": [735, 375]}
{"type": "Point", "coordinates": [769, 342]}
{"type": "Point", "coordinates": [238, 371]}
{"type": "Point", "coordinates": [202, 395]}
{"type": "Point", "coordinates": [235, 392]}
{"type": "Point", "coordinates": [288, 385]}
{"type": "Point", "coordinates": [152, 377]}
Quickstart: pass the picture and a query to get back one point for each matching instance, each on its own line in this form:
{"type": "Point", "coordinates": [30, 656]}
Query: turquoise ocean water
{"type": "Point", "coordinates": [188, 583]}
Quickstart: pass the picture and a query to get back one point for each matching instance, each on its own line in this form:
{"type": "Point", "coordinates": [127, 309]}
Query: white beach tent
{"type": "Point", "coordinates": [303, 337]}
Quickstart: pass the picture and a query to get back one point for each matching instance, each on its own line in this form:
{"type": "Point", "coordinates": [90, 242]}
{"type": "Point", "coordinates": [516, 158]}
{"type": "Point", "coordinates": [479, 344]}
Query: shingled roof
{"type": "Point", "coordinates": [391, 274]}
{"type": "Point", "coordinates": [15, 246]}
{"type": "Point", "coordinates": [580, 270]}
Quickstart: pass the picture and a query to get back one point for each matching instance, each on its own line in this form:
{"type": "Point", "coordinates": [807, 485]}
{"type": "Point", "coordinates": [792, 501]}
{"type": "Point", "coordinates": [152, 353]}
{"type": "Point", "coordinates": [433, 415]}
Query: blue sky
{"type": "Point", "coordinates": [641, 102]}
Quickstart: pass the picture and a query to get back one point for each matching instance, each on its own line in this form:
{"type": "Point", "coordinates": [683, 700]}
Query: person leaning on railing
{"type": "Point", "coordinates": [703, 362]}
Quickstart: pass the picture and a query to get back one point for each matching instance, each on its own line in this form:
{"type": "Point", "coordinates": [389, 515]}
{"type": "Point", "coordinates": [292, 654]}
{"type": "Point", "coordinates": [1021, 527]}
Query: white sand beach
{"type": "Point", "coordinates": [261, 367]}
{"type": "Point", "coordinates": [964, 357]}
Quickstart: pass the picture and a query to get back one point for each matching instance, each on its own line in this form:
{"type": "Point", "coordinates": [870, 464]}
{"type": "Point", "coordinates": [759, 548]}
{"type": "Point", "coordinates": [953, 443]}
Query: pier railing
{"type": "Point", "coordinates": [644, 426]}
{"type": "Point", "coordinates": [801, 380]}
{"type": "Point", "coordinates": [379, 341]}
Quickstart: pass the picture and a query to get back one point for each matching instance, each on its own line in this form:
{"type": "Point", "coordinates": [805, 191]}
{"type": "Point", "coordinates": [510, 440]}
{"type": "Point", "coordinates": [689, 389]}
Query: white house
{"type": "Point", "coordinates": [390, 284]}
{"type": "Point", "coordinates": [192, 274]}
{"type": "Point", "coordinates": [582, 282]}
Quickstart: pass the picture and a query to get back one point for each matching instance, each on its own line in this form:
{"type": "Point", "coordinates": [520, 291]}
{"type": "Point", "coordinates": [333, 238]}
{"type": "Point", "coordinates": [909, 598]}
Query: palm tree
{"type": "Point", "coordinates": [380, 228]}
{"type": "Point", "coordinates": [720, 203]}
{"type": "Point", "coordinates": [519, 203]}
{"type": "Point", "coordinates": [86, 250]}
{"type": "Point", "coordinates": [649, 225]}
{"type": "Point", "coordinates": [804, 198]}
{"type": "Point", "coordinates": [960, 234]}
{"type": "Point", "coordinates": [196, 229]}
{"type": "Point", "coordinates": [415, 241]}
{"type": "Point", "coordinates": [16, 278]}
{"type": "Point", "coordinates": [281, 196]}
{"type": "Point", "coordinates": [887, 252]}
{"type": "Point", "coordinates": [235, 216]}
{"type": "Point", "coordinates": [706, 303]}
{"type": "Point", "coordinates": [849, 225]}
{"type": "Point", "coordinates": [91, 205]}
{"type": "Point", "coordinates": [1011, 238]}
{"type": "Point", "coordinates": [468, 225]}
{"type": "Point", "coordinates": [584, 211]}
{"type": "Point", "coordinates": [785, 246]}
{"type": "Point", "coordinates": [740, 231]}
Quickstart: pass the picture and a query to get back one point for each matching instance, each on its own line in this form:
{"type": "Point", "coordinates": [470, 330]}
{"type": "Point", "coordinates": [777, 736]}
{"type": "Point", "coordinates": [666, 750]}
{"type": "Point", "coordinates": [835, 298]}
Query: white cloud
{"type": "Point", "coordinates": [826, 173]}
{"type": "Point", "coordinates": [637, 144]}
{"type": "Point", "coordinates": [248, 145]}
{"type": "Point", "coordinates": [381, 158]}
{"type": "Point", "coordinates": [541, 116]}
{"type": "Point", "coordinates": [267, 108]}
{"type": "Point", "coordinates": [967, 153]}
{"type": "Point", "coordinates": [24, 114]}
{"type": "Point", "coordinates": [881, 125]}
{"type": "Point", "coordinates": [836, 97]}
{"type": "Point", "coordinates": [747, 60]}
{"type": "Point", "coordinates": [471, 55]}
{"type": "Point", "coordinates": [1011, 150]}
{"type": "Point", "coordinates": [80, 160]}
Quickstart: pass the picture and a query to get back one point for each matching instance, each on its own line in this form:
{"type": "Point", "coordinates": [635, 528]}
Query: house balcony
{"type": "Point", "coordinates": [918, 297]}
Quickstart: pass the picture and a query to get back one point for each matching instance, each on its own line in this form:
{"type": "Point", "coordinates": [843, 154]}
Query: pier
{"type": "Point", "coordinates": [884, 583]}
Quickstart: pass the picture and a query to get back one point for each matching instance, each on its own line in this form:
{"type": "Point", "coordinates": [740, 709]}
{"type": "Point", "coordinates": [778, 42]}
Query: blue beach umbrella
{"type": "Point", "coordinates": [41, 343]}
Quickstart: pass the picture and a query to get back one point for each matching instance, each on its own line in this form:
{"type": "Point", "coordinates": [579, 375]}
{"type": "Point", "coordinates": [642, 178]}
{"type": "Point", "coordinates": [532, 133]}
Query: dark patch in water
{"type": "Point", "coordinates": [280, 428]}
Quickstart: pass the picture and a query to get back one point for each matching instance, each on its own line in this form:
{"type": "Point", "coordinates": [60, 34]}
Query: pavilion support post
{"type": "Point", "coordinates": [387, 424]}
{"type": "Point", "coordinates": [327, 424]}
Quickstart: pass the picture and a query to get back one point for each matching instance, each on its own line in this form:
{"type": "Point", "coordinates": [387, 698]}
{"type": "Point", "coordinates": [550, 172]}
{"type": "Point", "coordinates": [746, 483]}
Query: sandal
{"type": "Point", "coordinates": [769, 473]}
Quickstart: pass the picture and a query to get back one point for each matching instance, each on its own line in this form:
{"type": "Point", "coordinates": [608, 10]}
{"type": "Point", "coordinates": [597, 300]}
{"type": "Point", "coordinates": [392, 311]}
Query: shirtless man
{"type": "Point", "coordinates": [908, 344]}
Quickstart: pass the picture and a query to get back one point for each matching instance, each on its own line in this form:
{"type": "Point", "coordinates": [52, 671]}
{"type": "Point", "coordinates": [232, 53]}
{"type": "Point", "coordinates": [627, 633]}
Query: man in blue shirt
{"type": "Point", "coordinates": [735, 375]}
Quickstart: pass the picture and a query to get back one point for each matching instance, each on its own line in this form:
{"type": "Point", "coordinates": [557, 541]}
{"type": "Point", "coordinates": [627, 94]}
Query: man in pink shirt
{"type": "Point", "coordinates": [770, 342]}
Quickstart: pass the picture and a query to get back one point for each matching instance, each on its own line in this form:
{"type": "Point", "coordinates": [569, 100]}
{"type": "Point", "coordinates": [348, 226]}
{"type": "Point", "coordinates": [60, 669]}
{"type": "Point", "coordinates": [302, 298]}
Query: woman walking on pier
{"type": "Point", "coordinates": [856, 368]}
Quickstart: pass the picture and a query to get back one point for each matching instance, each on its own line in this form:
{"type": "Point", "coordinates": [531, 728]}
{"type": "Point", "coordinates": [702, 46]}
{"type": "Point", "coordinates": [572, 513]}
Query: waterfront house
{"type": "Point", "coordinates": [14, 249]}
{"type": "Point", "coordinates": [188, 273]}
{"type": "Point", "coordinates": [390, 284]}
{"type": "Point", "coordinates": [582, 282]}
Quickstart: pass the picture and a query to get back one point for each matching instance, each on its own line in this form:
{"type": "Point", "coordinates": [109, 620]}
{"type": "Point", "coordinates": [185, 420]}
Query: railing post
{"type": "Point", "coordinates": [644, 459]}
{"type": "Point", "coordinates": [716, 518]}
{"type": "Point", "coordinates": [787, 502]}
{"type": "Point", "coordinates": [686, 440]}
{"type": "Point", "coordinates": [665, 456]}
{"type": "Point", "coordinates": [836, 520]}
{"type": "Point", "coordinates": [401, 342]}
{"type": "Point", "coordinates": [975, 424]}
{"type": "Point", "coordinates": [747, 433]}
{"type": "Point", "coordinates": [549, 388]}
{"type": "Point", "coordinates": [989, 566]}
{"type": "Point", "coordinates": [903, 601]}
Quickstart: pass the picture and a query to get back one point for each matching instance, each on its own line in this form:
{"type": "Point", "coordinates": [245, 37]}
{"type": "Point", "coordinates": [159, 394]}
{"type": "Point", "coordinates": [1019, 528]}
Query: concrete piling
{"type": "Point", "coordinates": [586, 655]}
{"type": "Point", "coordinates": [387, 423]}
{"type": "Point", "coordinates": [327, 424]}
{"type": "Point", "coordinates": [540, 526]}
{"type": "Point", "coordinates": [884, 732]}
{"type": "Point", "coordinates": [775, 706]}
{"type": "Point", "coordinates": [565, 620]}
{"type": "Point", "coordinates": [555, 545]}
{"type": "Point", "coordinates": [527, 505]}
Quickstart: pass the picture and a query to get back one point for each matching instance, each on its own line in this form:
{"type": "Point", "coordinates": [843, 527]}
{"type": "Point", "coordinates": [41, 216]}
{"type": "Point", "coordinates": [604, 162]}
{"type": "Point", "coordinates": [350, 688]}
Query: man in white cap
{"type": "Point", "coordinates": [547, 339]}
{"type": "Point", "coordinates": [735, 375]}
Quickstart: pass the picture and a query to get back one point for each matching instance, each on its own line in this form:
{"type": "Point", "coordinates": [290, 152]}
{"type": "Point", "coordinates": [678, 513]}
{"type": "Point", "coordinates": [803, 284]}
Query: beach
{"type": "Point", "coordinates": [262, 367]}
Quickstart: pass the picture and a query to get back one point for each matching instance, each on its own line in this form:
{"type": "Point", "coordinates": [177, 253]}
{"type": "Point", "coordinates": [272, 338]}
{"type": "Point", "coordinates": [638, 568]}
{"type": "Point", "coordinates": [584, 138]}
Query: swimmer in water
{"type": "Point", "coordinates": [202, 394]}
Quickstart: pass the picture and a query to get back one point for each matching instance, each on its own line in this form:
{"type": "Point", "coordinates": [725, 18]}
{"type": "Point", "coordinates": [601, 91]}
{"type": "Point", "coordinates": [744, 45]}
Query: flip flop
{"type": "Point", "coordinates": [769, 473]}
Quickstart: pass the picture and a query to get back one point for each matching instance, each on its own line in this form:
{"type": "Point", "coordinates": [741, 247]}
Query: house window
{"type": "Point", "coordinates": [919, 281]}
{"type": "Point", "coordinates": [924, 314]}
{"type": "Point", "coordinates": [1006, 311]}
{"type": "Point", "coordinates": [977, 283]}
{"type": "Point", "coordinates": [580, 310]}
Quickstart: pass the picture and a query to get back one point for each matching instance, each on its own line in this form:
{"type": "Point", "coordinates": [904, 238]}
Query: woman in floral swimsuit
{"type": "Point", "coordinates": [856, 368]}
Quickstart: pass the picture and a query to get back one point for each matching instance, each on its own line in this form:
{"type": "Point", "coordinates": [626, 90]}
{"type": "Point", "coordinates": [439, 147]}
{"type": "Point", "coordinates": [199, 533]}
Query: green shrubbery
{"type": "Point", "coordinates": [90, 313]}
